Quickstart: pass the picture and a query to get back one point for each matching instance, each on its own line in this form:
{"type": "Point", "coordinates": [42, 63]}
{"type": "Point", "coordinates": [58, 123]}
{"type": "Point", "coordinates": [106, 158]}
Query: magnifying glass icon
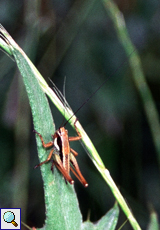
{"type": "Point", "coordinates": [9, 217]}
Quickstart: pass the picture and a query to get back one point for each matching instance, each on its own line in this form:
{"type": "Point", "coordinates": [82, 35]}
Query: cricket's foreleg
{"type": "Point", "coordinates": [48, 159]}
{"type": "Point", "coordinates": [47, 145]}
{"type": "Point", "coordinates": [77, 138]}
{"type": "Point", "coordinates": [77, 129]}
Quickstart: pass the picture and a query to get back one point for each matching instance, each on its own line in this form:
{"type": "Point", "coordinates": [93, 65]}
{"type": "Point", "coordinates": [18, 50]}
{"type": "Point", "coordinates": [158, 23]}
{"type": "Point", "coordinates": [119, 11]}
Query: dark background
{"type": "Point", "coordinates": [77, 40]}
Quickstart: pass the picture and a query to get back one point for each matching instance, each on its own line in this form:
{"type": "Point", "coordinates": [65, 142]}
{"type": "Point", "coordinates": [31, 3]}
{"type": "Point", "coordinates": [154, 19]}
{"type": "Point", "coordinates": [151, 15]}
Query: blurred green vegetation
{"type": "Point", "coordinates": [77, 39]}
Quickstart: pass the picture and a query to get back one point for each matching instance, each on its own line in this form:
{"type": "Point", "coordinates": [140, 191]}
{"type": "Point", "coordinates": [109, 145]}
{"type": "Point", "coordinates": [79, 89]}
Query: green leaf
{"type": "Point", "coordinates": [109, 221]}
{"type": "Point", "coordinates": [62, 208]}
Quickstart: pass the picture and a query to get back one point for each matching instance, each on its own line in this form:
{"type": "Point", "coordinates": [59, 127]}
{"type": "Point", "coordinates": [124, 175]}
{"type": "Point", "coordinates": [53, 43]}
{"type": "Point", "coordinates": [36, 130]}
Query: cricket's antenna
{"type": "Point", "coordinates": [63, 99]}
{"type": "Point", "coordinates": [85, 102]}
{"type": "Point", "coordinates": [64, 96]}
